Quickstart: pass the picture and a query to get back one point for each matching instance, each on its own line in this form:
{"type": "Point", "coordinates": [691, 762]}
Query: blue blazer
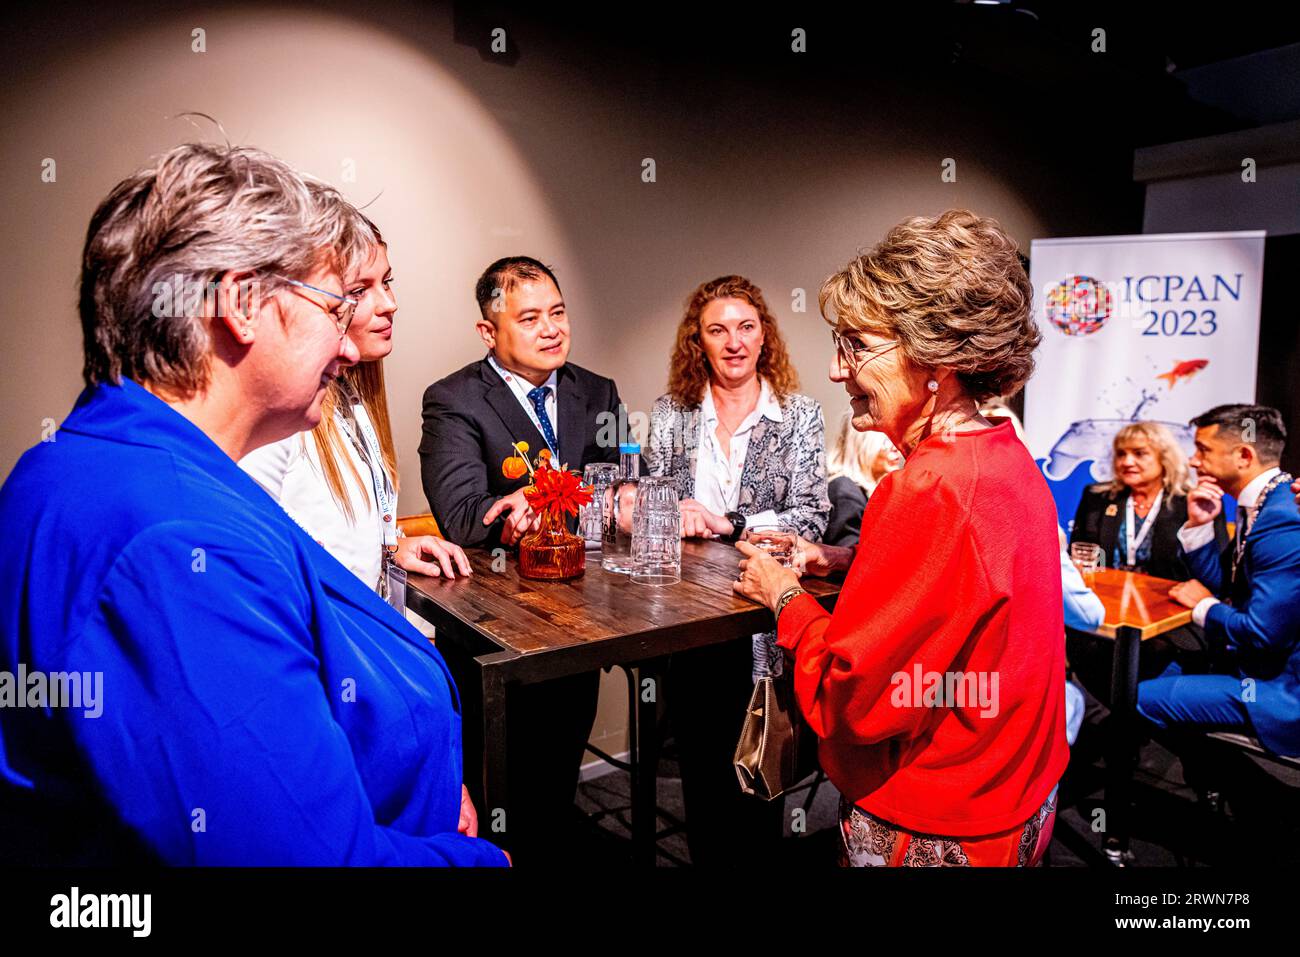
{"type": "Point", "coordinates": [260, 705]}
{"type": "Point", "coordinates": [1261, 628]}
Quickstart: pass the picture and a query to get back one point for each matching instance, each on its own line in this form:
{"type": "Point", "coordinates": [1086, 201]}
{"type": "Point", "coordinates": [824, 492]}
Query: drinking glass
{"type": "Point", "coordinates": [1088, 557]}
{"type": "Point", "coordinates": [656, 533]}
{"type": "Point", "coordinates": [779, 540]}
{"type": "Point", "coordinates": [592, 516]}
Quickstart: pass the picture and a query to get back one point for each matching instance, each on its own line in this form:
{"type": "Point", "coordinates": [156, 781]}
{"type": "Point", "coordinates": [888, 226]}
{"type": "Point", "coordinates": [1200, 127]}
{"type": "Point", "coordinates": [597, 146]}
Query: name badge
{"type": "Point", "coordinates": [395, 580]}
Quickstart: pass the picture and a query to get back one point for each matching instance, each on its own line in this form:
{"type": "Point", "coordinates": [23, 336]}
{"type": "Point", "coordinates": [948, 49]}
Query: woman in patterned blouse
{"type": "Point", "coordinates": [745, 450]}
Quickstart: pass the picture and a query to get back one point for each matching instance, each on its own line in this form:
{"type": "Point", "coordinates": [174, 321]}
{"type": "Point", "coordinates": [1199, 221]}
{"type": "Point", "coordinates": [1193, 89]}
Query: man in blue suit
{"type": "Point", "coordinates": [1247, 598]}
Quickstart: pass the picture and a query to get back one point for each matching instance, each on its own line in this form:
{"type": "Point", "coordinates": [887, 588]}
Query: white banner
{"type": "Point", "coordinates": [1158, 327]}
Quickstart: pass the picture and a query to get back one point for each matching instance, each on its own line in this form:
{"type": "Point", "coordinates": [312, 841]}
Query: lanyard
{"type": "Point", "coordinates": [521, 393]}
{"type": "Point", "coordinates": [1131, 543]}
{"type": "Point", "coordinates": [371, 452]}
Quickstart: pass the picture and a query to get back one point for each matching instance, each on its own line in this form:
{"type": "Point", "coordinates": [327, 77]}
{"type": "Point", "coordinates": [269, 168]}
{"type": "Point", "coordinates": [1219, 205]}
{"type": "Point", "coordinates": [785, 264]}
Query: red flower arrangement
{"type": "Point", "coordinates": [551, 551]}
{"type": "Point", "coordinates": [557, 491]}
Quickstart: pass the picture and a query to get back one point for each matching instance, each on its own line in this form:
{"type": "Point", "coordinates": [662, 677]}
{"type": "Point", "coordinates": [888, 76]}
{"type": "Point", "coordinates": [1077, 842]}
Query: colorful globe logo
{"type": "Point", "coordinates": [1078, 305]}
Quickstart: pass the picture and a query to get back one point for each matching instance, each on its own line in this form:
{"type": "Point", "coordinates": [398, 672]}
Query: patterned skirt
{"type": "Point", "coordinates": [868, 841]}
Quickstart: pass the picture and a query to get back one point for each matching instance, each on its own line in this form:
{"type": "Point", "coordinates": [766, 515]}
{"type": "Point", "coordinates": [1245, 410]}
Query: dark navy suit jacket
{"type": "Point", "coordinates": [470, 420]}
{"type": "Point", "coordinates": [260, 704]}
{"type": "Point", "coordinates": [1261, 628]}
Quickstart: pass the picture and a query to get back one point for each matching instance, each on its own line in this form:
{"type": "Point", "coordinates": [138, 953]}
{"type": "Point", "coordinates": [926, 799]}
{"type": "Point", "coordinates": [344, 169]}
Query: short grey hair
{"type": "Point", "coordinates": [197, 212]}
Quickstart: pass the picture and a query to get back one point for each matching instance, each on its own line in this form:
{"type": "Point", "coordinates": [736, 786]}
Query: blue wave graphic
{"type": "Point", "coordinates": [1067, 492]}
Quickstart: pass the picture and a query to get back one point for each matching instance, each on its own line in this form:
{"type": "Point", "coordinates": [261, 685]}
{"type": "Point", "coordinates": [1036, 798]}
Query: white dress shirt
{"type": "Point", "coordinates": [1192, 537]}
{"type": "Point", "coordinates": [521, 387]}
{"type": "Point", "coordinates": [291, 473]}
{"type": "Point", "coordinates": [717, 476]}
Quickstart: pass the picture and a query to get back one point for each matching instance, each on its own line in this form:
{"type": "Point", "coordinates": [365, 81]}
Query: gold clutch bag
{"type": "Point", "coordinates": [777, 749]}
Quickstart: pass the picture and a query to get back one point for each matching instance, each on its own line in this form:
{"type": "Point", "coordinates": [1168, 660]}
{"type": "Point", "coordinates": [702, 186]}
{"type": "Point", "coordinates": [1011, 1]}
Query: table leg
{"type": "Point", "coordinates": [495, 810]}
{"type": "Point", "coordinates": [1122, 753]}
{"type": "Point", "coordinates": [644, 734]}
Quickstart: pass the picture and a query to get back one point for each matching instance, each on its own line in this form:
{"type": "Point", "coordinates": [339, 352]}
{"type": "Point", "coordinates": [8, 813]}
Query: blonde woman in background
{"type": "Point", "coordinates": [856, 464]}
{"type": "Point", "coordinates": [339, 481]}
{"type": "Point", "coordinates": [1135, 516]}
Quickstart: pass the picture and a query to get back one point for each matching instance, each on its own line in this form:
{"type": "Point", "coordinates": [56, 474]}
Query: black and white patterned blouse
{"type": "Point", "coordinates": [785, 471]}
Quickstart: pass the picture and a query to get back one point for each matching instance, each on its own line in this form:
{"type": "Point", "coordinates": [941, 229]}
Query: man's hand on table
{"type": "Point", "coordinates": [1189, 593]}
{"type": "Point", "coordinates": [520, 520]}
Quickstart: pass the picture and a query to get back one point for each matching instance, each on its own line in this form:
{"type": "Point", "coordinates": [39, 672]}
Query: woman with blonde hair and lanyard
{"type": "Point", "coordinates": [339, 482]}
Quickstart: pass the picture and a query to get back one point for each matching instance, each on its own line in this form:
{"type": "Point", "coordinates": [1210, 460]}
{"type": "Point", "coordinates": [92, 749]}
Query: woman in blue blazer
{"type": "Point", "coordinates": [255, 703]}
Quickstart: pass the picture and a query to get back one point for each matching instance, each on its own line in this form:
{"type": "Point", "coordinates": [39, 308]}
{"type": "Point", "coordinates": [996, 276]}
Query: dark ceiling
{"type": "Point", "coordinates": [1031, 52]}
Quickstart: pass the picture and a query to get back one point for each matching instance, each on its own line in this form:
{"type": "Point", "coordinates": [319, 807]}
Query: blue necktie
{"type": "Point", "coordinates": [538, 396]}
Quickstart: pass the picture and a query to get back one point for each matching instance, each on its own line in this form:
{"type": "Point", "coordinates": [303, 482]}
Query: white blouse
{"type": "Point", "coordinates": [717, 476]}
{"type": "Point", "coordinates": [291, 473]}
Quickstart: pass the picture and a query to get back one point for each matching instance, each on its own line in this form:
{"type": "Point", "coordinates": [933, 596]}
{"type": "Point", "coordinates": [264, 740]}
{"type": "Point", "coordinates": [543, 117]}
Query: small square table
{"type": "Point", "coordinates": [499, 630]}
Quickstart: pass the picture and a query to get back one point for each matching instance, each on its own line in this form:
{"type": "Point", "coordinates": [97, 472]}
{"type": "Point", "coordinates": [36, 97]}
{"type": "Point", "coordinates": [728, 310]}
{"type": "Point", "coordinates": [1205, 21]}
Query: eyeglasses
{"type": "Point", "coordinates": [341, 314]}
{"type": "Point", "coordinates": [852, 352]}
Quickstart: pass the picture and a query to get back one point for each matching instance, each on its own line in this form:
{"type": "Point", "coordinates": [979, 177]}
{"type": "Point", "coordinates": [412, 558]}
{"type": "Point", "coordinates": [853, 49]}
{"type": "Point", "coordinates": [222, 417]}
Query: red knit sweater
{"type": "Point", "coordinates": [937, 686]}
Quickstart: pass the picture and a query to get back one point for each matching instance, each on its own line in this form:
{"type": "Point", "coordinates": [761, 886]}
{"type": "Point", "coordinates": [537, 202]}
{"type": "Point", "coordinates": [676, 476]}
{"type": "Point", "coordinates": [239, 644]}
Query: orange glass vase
{"type": "Point", "coordinates": [552, 552]}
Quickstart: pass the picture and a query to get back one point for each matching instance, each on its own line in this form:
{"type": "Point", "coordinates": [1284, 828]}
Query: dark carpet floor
{"type": "Point", "coordinates": [1257, 824]}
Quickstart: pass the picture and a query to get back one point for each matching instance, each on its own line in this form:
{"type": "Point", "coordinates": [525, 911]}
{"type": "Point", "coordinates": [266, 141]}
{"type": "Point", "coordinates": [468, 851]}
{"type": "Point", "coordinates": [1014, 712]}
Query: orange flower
{"type": "Point", "coordinates": [514, 467]}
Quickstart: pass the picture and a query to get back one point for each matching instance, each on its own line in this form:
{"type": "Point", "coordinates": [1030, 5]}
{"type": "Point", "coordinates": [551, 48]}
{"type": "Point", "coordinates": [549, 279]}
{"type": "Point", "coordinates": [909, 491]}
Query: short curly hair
{"type": "Point", "coordinates": [953, 291]}
{"type": "Point", "coordinates": [689, 370]}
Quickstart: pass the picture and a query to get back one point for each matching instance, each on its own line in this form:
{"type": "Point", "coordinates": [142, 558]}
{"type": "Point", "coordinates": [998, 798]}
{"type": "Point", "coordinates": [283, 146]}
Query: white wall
{"type": "Point", "coordinates": [467, 160]}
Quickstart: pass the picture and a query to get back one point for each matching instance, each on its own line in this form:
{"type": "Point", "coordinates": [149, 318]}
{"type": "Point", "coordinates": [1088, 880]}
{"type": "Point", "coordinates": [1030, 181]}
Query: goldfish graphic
{"type": "Point", "coordinates": [1183, 370]}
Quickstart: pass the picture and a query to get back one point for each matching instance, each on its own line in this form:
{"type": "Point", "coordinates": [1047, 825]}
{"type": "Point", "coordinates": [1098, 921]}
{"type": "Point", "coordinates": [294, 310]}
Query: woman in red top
{"type": "Point", "coordinates": [936, 686]}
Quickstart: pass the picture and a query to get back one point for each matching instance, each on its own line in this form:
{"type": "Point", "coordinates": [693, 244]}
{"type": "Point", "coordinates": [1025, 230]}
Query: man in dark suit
{"type": "Point", "coordinates": [523, 390]}
{"type": "Point", "coordinates": [1247, 596]}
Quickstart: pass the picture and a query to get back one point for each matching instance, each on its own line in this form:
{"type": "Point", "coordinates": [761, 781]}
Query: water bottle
{"type": "Point", "coordinates": [616, 553]}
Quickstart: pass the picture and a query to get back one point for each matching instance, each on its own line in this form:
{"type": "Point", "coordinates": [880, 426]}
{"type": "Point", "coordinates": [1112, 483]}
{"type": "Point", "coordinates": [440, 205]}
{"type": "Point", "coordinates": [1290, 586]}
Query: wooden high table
{"type": "Point", "coordinates": [1138, 607]}
{"type": "Point", "coordinates": [502, 631]}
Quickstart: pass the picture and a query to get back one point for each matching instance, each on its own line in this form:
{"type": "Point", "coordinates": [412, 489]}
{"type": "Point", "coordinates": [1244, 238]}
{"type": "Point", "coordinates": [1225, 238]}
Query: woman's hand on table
{"type": "Point", "coordinates": [430, 555]}
{"type": "Point", "coordinates": [699, 522]}
{"type": "Point", "coordinates": [1189, 593]}
{"type": "Point", "coordinates": [816, 558]}
{"type": "Point", "coordinates": [762, 578]}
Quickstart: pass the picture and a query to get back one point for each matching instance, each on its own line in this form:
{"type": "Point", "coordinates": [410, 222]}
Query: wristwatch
{"type": "Point", "coordinates": [737, 526]}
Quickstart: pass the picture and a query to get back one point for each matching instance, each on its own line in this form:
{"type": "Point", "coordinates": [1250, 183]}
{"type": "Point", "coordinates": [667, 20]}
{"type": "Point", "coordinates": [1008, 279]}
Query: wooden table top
{"type": "Point", "coordinates": [1139, 601]}
{"type": "Point", "coordinates": [527, 617]}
